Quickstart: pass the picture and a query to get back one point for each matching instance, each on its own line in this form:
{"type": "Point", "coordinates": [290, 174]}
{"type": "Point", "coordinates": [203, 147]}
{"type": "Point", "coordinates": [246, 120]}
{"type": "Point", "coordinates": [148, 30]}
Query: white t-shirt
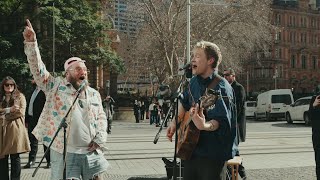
{"type": "Point", "coordinates": [79, 135]}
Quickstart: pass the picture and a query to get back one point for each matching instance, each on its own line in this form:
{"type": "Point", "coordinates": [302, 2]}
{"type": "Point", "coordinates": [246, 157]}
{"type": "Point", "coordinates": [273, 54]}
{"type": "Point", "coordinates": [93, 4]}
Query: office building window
{"type": "Point", "coordinates": [303, 62]}
{"type": "Point", "coordinates": [314, 62]}
{"type": "Point", "coordinates": [293, 61]}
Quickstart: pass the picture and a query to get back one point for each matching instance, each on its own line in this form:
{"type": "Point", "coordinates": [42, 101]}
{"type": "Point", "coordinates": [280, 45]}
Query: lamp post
{"type": "Point", "coordinates": [53, 40]}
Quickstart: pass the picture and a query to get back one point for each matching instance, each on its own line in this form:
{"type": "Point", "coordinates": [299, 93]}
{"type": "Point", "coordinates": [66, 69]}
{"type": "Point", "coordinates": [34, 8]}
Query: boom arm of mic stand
{"type": "Point", "coordinates": [156, 138]}
{"type": "Point", "coordinates": [64, 125]}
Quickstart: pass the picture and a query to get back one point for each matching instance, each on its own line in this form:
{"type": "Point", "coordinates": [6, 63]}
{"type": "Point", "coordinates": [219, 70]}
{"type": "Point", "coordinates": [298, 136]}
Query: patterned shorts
{"type": "Point", "coordinates": [79, 166]}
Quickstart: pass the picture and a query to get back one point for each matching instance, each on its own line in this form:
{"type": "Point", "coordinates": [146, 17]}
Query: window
{"type": "Point", "coordinates": [278, 53]}
{"type": "Point", "coordinates": [314, 62]}
{"type": "Point", "coordinates": [303, 61]}
{"type": "Point", "coordinates": [293, 61]}
{"type": "Point", "coordinates": [278, 19]}
{"type": "Point", "coordinates": [281, 98]}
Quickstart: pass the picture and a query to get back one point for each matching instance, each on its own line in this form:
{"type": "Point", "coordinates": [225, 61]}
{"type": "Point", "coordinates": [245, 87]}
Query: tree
{"type": "Point", "coordinates": [237, 29]}
{"type": "Point", "coordinates": [79, 29]}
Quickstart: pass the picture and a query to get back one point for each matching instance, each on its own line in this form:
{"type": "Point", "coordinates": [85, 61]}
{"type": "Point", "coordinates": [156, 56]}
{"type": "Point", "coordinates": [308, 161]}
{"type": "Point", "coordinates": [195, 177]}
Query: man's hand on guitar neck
{"type": "Point", "coordinates": [199, 119]}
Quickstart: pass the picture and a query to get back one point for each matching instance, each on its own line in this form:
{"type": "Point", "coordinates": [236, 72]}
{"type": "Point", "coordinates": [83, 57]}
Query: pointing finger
{"type": "Point", "coordinates": [29, 24]}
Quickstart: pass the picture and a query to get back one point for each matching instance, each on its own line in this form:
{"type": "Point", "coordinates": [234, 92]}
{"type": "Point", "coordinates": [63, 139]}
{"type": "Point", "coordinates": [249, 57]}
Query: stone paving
{"type": "Point", "coordinates": [133, 155]}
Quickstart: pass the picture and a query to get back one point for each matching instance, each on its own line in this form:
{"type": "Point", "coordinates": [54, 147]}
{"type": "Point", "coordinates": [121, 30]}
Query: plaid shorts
{"type": "Point", "coordinates": [79, 166]}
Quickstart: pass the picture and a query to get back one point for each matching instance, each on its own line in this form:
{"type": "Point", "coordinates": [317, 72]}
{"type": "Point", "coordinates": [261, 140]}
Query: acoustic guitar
{"type": "Point", "coordinates": [188, 133]}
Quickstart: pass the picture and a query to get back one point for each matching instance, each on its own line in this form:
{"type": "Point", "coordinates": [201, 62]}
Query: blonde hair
{"type": "Point", "coordinates": [211, 50]}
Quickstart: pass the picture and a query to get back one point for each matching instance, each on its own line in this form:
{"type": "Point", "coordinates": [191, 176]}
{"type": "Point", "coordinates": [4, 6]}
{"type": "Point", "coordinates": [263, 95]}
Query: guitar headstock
{"type": "Point", "coordinates": [209, 98]}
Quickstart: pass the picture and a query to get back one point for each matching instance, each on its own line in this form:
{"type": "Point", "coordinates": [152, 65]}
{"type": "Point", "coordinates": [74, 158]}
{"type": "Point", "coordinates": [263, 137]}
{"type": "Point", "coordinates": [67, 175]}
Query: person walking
{"type": "Point", "coordinates": [217, 123]}
{"type": "Point", "coordinates": [314, 114]}
{"type": "Point", "coordinates": [136, 111]}
{"type": "Point", "coordinates": [240, 96]}
{"type": "Point", "coordinates": [13, 134]}
{"type": "Point", "coordinates": [108, 109]}
{"type": "Point", "coordinates": [87, 123]}
{"type": "Point", "coordinates": [34, 110]}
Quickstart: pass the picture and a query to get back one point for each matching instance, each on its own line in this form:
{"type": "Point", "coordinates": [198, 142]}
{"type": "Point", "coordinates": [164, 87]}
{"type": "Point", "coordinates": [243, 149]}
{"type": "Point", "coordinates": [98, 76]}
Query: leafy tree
{"type": "Point", "coordinates": [79, 31]}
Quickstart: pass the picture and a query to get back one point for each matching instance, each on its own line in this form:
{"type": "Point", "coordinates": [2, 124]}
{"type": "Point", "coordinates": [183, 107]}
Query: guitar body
{"type": "Point", "coordinates": [188, 136]}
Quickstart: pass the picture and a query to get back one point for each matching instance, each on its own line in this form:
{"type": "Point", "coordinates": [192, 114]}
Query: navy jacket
{"type": "Point", "coordinates": [216, 145]}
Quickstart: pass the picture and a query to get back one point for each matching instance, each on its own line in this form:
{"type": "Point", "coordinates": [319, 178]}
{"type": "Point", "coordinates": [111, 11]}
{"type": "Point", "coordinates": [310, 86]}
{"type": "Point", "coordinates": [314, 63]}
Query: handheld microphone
{"type": "Point", "coordinates": [82, 85]}
{"type": "Point", "coordinates": [186, 66]}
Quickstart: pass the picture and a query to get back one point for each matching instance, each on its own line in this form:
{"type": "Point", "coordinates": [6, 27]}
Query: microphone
{"type": "Point", "coordinates": [186, 66]}
{"type": "Point", "coordinates": [82, 85]}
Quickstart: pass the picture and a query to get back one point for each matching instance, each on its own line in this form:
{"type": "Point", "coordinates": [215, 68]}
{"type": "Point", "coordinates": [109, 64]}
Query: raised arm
{"type": "Point", "coordinates": [41, 76]}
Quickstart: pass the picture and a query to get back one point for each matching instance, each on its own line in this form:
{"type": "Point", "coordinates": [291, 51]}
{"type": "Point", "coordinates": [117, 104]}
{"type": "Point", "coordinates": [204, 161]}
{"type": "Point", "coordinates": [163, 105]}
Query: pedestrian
{"type": "Point", "coordinates": [13, 134]}
{"type": "Point", "coordinates": [87, 123]}
{"type": "Point", "coordinates": [136, 110]}
{"type": "Point", "coordinates": [108, 109]}
{"type": "Point", "coordinates": [34, 109]}
{"type": "Point", "coordinates": [240, 96]}
{"type": "Point", "coordinates": [314, 114]}
{"type": "Point", "coordinates": [217, 126]}
{"type": "Point", "coordinates": [142, 110]}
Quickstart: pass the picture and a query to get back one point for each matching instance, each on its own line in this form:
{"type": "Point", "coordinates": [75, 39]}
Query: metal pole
{"type": "Point", "coordinates": [188, 30]}
{"type": "Point", "coordinates": [247, 84]}
{"type": "Point", "coordinates": [53, 41]}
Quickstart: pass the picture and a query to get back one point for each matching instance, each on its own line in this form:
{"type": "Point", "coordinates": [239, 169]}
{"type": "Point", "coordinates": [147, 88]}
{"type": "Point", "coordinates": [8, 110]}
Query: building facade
{"type": "Point", "coordinates": [293, 59]}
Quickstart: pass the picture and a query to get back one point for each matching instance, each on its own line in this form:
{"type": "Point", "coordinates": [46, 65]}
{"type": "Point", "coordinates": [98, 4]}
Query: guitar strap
{"type": "Point", "coordinates": [215, 82]}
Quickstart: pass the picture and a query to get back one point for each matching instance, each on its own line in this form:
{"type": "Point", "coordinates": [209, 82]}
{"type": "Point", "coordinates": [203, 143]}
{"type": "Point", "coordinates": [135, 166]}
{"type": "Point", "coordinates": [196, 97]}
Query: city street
{"type": "Point", "coordinates": [273, 150]}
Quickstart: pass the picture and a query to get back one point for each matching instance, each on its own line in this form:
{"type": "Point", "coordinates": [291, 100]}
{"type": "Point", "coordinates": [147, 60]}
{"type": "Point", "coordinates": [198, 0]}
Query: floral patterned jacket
{"type": "Point", "coordinates": [59, 98]}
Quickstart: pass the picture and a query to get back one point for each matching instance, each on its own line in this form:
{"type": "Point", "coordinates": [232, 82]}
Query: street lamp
{"type": "Point", "coordinates": [53, 40]}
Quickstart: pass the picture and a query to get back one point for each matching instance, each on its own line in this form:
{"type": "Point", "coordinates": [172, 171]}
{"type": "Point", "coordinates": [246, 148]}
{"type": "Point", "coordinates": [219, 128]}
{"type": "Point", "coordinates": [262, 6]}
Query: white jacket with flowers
{"type": "Point", "coordinates": [59, 97]}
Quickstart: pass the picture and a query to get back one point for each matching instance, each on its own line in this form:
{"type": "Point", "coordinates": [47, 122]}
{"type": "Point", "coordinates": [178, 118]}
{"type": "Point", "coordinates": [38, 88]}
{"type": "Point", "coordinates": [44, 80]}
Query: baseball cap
{"type": "Point", "coordinates": [71, 61]}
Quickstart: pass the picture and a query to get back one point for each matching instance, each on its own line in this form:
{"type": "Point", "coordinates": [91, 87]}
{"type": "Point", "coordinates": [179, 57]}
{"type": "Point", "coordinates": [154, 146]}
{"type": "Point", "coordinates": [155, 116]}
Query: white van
{"type": "Point", "coordinates": [250, 108]}
{"type": "Point", "coordinates": [273, 104]}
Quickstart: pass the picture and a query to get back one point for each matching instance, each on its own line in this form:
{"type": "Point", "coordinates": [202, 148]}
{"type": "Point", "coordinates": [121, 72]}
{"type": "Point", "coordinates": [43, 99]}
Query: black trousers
{"type": "Point", "coordinates": [34, 146]}
{"type": "Point", "coordinates": [15, 167]}
{"type": "Point", "coordinates": [316, 148]}
{"type": "Point", "coordinates": [204, 169]}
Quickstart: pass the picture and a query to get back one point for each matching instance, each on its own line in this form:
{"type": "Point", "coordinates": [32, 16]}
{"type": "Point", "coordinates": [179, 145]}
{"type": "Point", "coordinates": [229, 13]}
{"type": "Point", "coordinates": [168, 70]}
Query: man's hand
{"type": "Point", "coordinates": [93, 146]}
{"type": "Point", "coordinates": [171, 130]}
{"type": "Point", "coordinates": [197, 116]}
{"type": "Point", "coordinates": [316, 102]}
{"type": "Point", "coordinates": [28, 33]}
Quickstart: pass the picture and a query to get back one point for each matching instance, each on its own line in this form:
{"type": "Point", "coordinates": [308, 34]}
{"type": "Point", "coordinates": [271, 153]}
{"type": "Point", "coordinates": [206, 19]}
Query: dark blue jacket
{"type": "Point", "coordinates": [216, 145]}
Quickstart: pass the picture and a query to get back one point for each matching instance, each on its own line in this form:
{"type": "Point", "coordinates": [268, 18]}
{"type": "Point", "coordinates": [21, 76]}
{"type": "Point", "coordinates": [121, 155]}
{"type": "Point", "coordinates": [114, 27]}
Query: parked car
{"type": "Point", "coordinates": [250, 108]}
{"type": "Point", "coordinates": [273, 104]}
{"type": "Point", "coordinates": [298, 111]}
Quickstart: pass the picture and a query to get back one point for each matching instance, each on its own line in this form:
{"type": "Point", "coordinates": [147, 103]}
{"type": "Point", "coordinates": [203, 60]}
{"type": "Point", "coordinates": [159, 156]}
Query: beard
{"type": "Point", "coordinates": [75, 82]}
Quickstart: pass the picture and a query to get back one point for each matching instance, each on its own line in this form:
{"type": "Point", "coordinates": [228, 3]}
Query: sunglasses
{"type": "Point", "coordinates": [226, 74]}
{"type": "Point", "coordinates": [7, 85]}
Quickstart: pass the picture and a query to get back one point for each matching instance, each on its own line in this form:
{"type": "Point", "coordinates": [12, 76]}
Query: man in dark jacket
{"type": "Point", "coordinates": [34, 110]}
{"type": "Point", "coordinates": [314, 113]}
{"type": "Point", "coordinates": [240, 95]}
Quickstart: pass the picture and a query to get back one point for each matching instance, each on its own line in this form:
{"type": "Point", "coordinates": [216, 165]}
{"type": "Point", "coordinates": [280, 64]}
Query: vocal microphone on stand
{"type": "Point", "coordinates": [186, 67]}
{"type": "Point", "coordinates": [81, 87]}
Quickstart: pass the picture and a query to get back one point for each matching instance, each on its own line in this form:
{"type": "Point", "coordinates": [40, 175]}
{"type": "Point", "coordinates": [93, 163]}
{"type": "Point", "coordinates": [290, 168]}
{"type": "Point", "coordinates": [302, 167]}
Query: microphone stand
{"type": "Point", "coordinates": [63, 125]}
{"type": "Point", "coordinates": [175, 102]}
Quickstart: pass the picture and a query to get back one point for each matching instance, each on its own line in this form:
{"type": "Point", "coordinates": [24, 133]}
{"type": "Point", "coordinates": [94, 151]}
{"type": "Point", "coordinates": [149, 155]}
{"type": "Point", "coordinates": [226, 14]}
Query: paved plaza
{"type": "Point", "coordinates": [277, 153]}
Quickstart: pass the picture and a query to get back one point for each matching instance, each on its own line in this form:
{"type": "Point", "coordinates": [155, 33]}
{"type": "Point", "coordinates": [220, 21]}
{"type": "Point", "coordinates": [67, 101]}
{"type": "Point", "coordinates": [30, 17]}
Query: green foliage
{"type": "Point", "coordinates": [18, 69]}
{"type": "Point", "coordinates": [79, 30]}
